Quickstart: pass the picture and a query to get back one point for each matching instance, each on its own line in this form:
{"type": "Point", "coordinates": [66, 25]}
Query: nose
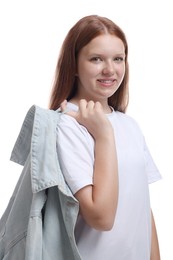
{"type": "Point", "coordinates": [108, 68]}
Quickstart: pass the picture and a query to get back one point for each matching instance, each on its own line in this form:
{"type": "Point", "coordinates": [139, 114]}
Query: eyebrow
{"type": "Point", "coordinates": [101, 54]}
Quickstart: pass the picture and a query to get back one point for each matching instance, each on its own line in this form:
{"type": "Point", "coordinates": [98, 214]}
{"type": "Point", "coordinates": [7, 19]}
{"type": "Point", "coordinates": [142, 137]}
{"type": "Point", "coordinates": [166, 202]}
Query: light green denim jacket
{"type": "Point", "coordinates": [39, 221]}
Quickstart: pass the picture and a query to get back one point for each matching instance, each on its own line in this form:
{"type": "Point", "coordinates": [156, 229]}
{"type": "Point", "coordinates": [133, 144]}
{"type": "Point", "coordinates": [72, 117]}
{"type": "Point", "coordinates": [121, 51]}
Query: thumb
{"type": "Point", "coordinates": [63, 106]}
{"type": "Point", "coordinates": [65, 110]}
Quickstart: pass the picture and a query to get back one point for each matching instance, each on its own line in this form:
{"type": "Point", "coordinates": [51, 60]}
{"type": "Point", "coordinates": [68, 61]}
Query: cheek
{"type": "Point", "coordinates": [121, 71]}
{"type": "Point", "coordinates": [86, 72]}
{"type": "Point", "coordinates": [94, 70]}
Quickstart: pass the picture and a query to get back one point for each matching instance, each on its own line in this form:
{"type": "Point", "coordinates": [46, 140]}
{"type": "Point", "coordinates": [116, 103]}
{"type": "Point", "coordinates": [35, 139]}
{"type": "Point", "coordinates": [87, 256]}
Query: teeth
{"type": "Point", "coordinates": [107, 81]}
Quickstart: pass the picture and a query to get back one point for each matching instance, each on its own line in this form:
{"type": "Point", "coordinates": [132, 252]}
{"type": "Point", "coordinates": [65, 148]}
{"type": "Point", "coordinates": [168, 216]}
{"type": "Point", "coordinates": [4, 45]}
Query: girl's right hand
{"type": "Point", "coordinates": [91, 116]}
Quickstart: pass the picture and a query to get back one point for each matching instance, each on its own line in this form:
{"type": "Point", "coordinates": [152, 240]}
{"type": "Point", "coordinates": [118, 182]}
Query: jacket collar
{"type": "Point", "coordinates": [37, 141]}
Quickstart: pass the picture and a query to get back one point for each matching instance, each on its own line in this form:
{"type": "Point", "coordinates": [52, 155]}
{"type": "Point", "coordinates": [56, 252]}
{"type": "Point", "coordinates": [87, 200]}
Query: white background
{"type": "Point", "coordinates": [31, 33]}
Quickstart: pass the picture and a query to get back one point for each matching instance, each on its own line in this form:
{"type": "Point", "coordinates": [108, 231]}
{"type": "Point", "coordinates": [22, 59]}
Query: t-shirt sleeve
{"type": "Point", "coordinates": [75, 148]}
{"type": "Point", "coordinates": [152, 171]}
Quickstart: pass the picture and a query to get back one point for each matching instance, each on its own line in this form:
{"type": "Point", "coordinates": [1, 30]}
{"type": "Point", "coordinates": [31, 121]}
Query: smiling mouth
{"type": "Point", "coordinates": [107, 82]}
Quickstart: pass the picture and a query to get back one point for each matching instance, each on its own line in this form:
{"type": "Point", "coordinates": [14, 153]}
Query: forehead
{"type": "Point", "coordinates": [105, 43]}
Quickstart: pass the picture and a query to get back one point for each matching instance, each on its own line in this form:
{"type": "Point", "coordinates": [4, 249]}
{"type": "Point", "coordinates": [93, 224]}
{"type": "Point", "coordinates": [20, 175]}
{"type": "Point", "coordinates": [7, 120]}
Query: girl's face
{"type": "Point", "coordinates": [101, 68]}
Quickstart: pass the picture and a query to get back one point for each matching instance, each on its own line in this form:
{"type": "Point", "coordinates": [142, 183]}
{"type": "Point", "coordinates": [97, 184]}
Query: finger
{"type": "Point", "coordinates": [98, 106]}
{"type": "Point", "coordinates": [82, 106]}
{"type": "Point", "coordinates": [82, 103]}
{"type": "Point", "coordinates": [90, 105]}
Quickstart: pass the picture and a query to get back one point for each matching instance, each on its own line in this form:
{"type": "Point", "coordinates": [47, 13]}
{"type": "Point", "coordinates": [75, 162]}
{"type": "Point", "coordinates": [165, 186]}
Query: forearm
{"type": "Point", "coordinates": [98, 203]}
{"type": "Point", "coordinates": [105, 189]}
{"type": "Point", "coordinates": [155, 252]}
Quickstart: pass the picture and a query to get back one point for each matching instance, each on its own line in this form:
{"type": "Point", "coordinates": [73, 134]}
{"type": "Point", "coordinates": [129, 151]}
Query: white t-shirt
{"type": "Point", "coordinates": [130, 237]}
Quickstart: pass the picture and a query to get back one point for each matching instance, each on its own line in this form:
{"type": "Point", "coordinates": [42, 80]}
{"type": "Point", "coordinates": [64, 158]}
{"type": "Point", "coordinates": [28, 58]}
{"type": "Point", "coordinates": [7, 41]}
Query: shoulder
{"type": "Point", "coordinates": [69, 126]}
{"type": "Point", "coordinates": [127, 120]}
{"type": "Point", "coordinates": [124, 124]}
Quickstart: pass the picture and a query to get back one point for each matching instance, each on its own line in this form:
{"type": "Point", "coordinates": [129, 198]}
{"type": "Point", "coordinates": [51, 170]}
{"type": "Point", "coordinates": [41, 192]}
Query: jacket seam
{"type": "Point", "coordinates": [15, 241]}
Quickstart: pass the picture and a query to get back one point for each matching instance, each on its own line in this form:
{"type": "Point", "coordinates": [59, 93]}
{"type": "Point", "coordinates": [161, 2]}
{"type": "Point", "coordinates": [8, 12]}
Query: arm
{"type": "Point", "coordinates": [155, 253]}
{"type": "Point", "coordinates": [98, 202]}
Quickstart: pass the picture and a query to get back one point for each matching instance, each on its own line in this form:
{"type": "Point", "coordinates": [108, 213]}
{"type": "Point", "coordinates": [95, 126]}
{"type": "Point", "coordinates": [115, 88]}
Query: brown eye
{"type": "Point", "coordinates": [96, 59]}
{"type": "Point", "coordinates": [119, 59]}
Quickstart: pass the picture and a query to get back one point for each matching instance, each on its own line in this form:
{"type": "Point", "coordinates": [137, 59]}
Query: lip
{"type": "Point", "coordinates": [107, 82]}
